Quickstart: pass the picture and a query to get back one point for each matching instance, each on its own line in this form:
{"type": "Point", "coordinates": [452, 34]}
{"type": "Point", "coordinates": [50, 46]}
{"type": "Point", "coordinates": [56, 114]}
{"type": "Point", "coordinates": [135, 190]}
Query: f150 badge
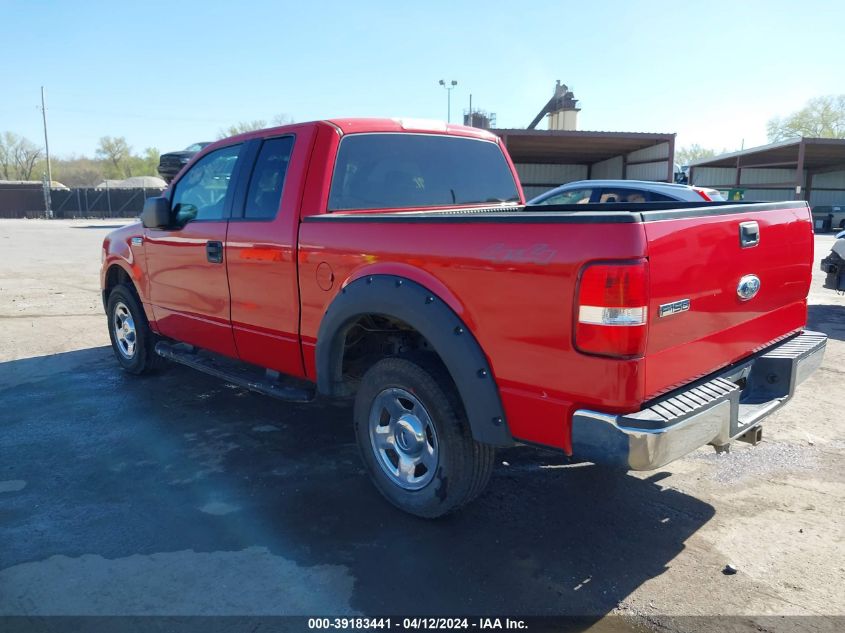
{"type": "Point", "coordinates": [748, 287]}
{"type": "Point", "coordinates": [668, 309]}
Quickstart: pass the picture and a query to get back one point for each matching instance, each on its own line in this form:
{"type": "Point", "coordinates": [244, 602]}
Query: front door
{"type": "Point", "coordinates": [189, 291]}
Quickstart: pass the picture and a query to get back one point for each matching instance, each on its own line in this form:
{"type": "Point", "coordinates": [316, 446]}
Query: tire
{"type": "Point", "coordinates": [134, 343]}
{"type": "Point", "coordinates": [415, 440]}
{"type": "Point", "coordinates": [842, 225]}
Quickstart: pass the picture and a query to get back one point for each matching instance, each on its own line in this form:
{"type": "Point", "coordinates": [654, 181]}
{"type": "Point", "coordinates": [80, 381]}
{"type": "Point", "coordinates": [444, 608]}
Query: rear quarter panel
{"type": "Point", "coordinates": [511, 283]}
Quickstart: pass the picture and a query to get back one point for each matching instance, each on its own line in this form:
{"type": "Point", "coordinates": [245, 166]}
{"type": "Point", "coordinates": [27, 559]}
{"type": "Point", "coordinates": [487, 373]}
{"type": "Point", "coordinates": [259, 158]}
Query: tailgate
{"type": "Point", "coordinates": [698, 256]}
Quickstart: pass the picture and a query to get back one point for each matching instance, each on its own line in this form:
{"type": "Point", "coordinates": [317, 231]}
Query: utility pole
{"type": "Point", "coordinates": [47, 200]}
{"type": "Point", "coordinates": [470, 110]}
{"type": "Point", "coordinates": [448, 88]}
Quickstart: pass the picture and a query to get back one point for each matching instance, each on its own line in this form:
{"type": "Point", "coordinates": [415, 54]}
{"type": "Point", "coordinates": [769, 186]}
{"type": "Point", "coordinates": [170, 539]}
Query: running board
{"type": "Point", "coordinates": [234, 372]}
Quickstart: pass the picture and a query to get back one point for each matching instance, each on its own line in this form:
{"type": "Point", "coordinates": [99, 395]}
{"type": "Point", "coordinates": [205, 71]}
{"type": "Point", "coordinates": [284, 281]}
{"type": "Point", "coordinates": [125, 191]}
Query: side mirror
{"type": "Point", "coordinates": [156, 213]}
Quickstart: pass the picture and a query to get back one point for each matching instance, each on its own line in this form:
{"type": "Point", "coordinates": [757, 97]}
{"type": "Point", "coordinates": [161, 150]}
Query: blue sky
{"type": "Point", "coordinates": [169, 74]}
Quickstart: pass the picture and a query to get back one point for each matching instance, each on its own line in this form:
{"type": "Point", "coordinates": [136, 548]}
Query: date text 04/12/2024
{"type": "Point", "coordinates": [416, 623]}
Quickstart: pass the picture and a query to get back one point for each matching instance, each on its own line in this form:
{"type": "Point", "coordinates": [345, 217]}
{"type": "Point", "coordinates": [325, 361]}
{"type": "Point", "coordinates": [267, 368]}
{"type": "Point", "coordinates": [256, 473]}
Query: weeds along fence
{"type": "Point", "coordinates": [81, 202]}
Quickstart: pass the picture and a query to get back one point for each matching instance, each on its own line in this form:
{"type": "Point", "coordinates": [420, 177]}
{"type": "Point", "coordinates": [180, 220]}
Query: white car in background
{"type": "Point", "coordinates": [630, 191]}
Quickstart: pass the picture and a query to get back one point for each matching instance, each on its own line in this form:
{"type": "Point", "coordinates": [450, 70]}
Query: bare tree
{"type": "Point", "coordinates": [822, 117]}
{"type": "Point", "coordinates": [249, 126]}
{"type": "Point", "coordinates": [240, 127]}
{"type": "Point", "coordinates": [7, 162]}
{"type": "Point", "coordinates": [282, 119]}
{"type": "Point", "coordinates": [18, 156]}
{"type": "Point", "coordinates": [27, 154]}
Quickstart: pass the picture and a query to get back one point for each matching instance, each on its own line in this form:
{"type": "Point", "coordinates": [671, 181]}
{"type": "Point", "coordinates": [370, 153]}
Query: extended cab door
{"type": "Point", "coordinates": [261, 251]}
{"type": "Point", "coordinates": [186, 263]}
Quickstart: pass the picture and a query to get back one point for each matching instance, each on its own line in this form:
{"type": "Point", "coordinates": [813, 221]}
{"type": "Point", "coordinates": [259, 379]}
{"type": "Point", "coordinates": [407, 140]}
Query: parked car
{"type": "Point", "coordinates": [834, 265]}
{"type": "Point", "coordinates": [172, 163]}
{"type": "Point", "coordinates": [829, 217]}
{"type": "Point", "coordinates": [631, 191]}
{"type": "Point", "coordinates": [394, 262]}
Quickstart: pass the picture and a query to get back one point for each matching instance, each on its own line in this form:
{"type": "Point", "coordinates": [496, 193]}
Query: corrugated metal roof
{"type": "Point", "coordinates": [575, 146]}
{"type": "Point", "coordinates": [818, 153]}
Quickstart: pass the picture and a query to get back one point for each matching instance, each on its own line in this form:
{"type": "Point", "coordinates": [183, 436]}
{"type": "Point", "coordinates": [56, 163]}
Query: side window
{"type": "Point", "coordinates": [268, 178]}
{"type": "Point", "coordinates": [623, 195]}
{"type": "Point", "coordinates": [201, 193]}
{"type": "Point", "coordinates": [574, 196]}
{"type": "Point", "coordinates": [659, 197]}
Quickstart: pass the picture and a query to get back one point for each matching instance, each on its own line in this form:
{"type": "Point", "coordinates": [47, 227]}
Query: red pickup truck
{"type": "Point", "coordinates": [395, 261]}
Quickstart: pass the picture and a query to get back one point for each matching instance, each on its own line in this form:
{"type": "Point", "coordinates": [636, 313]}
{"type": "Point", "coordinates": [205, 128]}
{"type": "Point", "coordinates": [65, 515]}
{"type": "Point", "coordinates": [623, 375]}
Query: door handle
{"type": "Point", "coordinates": [749, 234]}
{"type": "Point", "coordinates": [214, 252]}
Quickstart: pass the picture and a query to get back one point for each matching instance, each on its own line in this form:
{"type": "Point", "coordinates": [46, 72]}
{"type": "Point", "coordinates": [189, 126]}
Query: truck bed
{"type": "Point", "coordinates": [515, 290]}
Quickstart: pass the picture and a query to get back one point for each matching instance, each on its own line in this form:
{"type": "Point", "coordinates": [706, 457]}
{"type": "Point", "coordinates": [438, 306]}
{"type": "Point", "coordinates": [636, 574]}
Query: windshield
{"type": "Point", "coordinates": [392, 171]}
{"type": "Point", "coordinates": [196, 147]}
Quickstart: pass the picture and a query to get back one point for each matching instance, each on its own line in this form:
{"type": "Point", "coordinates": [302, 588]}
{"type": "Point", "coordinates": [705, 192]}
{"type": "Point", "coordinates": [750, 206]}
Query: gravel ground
{"type": "Point", "coordinates": [178, 494]}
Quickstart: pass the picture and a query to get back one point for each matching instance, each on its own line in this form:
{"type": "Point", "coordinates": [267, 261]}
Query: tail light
{"type": "Point", "coordinates": [703, 194]}
{"type": "Point", "coordinates": [612, 309]}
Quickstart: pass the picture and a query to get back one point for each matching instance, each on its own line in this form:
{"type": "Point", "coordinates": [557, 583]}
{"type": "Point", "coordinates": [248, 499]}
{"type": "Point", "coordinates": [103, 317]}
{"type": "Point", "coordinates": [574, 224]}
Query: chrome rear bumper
{"type": "Point", "coordinates": [713, 411]}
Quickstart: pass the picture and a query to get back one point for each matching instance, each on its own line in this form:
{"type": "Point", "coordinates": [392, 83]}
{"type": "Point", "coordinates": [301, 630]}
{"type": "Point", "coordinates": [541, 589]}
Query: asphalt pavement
{"type": "Point", "coordinates": [178, 494]}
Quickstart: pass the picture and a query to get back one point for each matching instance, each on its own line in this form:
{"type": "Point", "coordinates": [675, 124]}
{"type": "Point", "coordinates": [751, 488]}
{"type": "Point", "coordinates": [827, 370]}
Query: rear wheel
{"type": "Point", "coordinates": [132, 340]}
{"type": "Point", "coordinates": [415, 440]}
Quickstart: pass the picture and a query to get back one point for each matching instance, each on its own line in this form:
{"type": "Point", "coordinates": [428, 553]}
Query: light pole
{"type": "Point", "coordinates": [448, 88]}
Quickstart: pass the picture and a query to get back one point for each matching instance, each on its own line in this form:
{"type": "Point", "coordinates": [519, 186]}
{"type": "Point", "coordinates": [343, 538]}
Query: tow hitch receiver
{"type": "Point", "coordinates": [752, 436]}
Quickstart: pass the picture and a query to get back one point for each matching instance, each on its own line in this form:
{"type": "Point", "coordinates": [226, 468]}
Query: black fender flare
{"type": "Point", "coordinates": [412, 303]}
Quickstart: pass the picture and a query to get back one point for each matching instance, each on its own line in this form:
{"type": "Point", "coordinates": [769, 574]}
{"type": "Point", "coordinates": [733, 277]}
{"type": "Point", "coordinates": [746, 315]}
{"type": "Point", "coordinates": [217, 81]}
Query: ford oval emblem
{"type": "Point", "coordinates": [748, 287]}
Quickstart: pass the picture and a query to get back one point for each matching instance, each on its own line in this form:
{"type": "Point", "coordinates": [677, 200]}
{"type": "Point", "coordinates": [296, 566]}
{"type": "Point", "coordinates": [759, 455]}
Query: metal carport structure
{"type": "Point", "coordinates": [811, 169]}
{"type": "Point", "coordinates": [546, 159]}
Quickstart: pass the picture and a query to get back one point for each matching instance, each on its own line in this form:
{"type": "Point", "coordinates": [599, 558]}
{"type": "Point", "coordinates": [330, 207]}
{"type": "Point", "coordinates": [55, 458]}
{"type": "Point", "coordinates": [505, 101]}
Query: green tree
{"type": "Point", "coordinates": [21, 159]}
{"type": "Point", "coordinates": [151, 159]}
{"type": "Point", "coordinates": [78, 171]}
{"type": "Point", "coordinates": [144, 165]}
{"type": "Point", "coordinates": [116, 152]}
{"type": "Point", "coordinates": [692, 153]}
{"type": "Point", "coordinates": [822, 117]}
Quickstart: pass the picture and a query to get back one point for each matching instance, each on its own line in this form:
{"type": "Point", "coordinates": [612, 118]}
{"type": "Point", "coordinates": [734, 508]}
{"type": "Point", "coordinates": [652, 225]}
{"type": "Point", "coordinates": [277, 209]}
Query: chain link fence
{"type": "Point", "coordinates": [27, 201]}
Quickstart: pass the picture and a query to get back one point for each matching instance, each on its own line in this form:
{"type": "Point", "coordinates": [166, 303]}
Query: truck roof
{"type": "Point", "coordinates": [373, 125]}
{"type": "Point", "coordinates": [407, 124]}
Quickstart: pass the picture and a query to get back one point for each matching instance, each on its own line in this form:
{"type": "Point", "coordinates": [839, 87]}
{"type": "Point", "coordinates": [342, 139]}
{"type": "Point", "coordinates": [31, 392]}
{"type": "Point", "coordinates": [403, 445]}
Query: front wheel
{"type": "Point", "coordinates": [132, 339]}
{"type": "Point", "coordinates": [415, 440]}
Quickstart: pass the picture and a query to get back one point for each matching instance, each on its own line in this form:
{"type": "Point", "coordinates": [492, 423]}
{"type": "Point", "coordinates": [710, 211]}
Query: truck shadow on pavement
{"type": "Point", "coordinates": [829, 319]}
{"type": "Point", "coordinates": [134, 469]}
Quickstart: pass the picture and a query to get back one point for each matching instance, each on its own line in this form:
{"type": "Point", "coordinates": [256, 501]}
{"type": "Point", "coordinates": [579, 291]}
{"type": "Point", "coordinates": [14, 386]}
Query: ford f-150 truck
{"type": "Point", "coordinates": [394, 261]}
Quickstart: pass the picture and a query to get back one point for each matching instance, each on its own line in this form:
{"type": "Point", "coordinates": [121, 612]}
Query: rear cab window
{"type": "Point", "coordinates": [396, 170]}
